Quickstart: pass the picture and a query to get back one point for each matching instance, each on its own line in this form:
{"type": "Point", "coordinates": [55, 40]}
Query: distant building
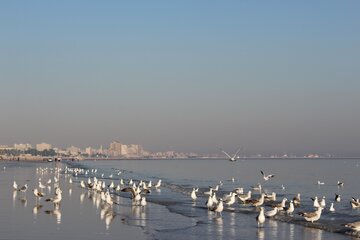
{"type": "Point", "coordinates": [43, 146]}
{"type": "Point", "coordinates": [115, 149]}
{"type": "Point", "coordinates": [131, 150]}
{"type": "Point", "coordinates": [22, 147]}
{"type": "Point", "coordinates": [73, 150]}
{"type": "Point", "coordinates": [89, 151]}
{"type": "Point", "coordinates": [5, 147]}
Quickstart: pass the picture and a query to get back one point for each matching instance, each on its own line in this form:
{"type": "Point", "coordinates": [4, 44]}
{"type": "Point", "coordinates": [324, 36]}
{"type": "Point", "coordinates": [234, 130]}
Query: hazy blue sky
{"type": "Point", "coordinates": [271, 76]}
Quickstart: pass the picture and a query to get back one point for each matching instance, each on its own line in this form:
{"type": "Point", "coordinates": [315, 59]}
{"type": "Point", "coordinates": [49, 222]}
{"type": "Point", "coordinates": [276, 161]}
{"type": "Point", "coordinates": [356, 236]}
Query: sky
{"type": "Point", "coordinates": [189, 76]}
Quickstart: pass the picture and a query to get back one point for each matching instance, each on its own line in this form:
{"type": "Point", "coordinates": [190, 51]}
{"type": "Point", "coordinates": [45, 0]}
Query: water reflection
{"type": "Point", "coordinates": [273, 228]}
{"type": "Point", "coordinates": [260, 233]}
{"type": "Point", "coordinates": [56, 212]}
{"type": "Point", "coordinates": [70, 192]}
{"type": "Point", "coordinates": [292, 232]}
{"type": "Point", "coordinates": [23, 201]}
{"type": "Point", "coordinates": [312, 233]}
{"type": "Point", "coordinates": [14, 198]}
{"type": "Point", "coordinates": [82, 197]}
{"type": "Point", "coordinates": [36, 209]}
{"type": "Point", "coordinates": [139, 214]}
{"type": "Point", "coordinates": [219, 226]}
{"type": "Point", "coordinates": [107, 214]}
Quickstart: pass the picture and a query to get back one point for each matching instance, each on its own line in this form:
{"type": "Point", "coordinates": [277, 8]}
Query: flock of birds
{"type": "Point", "coordinates": [101, 193]}
{"type": "Point", "coordinates": [217, 205]}
{"type": "Point", "coordinates": [104, 195]}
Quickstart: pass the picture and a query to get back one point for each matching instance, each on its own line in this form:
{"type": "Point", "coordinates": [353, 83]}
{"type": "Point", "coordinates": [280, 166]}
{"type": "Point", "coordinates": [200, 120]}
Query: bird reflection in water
{"type": "Point", "coordinates": [219, 225]}
{"type": "Point", "coordinates": [82, 197]}
{"type": "Point", "coordinates": [273, 225]}
{"type": "Point", "coordinates": [70, 192]}
{"type": "Point", "coordinates": [260, 233]}
{"type": "Point", "coordinates": [36, 209]}
{"type": "Point", "coordinates": [56, 212]}
{"type": "Point", "coordinates": [232, 227]}
{"type": "Point", "coordinates": [312, 233]}
{"type": "Point", "coordinates": [107, 214]}
{"type": "Point", "coordinates": [14, 197]}
{"type": "Point", "coordinates": [23, 201]}
{"type": "Point", "coordinates": [139, 214]}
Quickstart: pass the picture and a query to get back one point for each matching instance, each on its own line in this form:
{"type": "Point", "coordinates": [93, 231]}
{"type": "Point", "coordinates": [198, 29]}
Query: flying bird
{"type": "Point", "coordinates": [267, 177]}
{"type": "Point", "coordinates": [231, 158]}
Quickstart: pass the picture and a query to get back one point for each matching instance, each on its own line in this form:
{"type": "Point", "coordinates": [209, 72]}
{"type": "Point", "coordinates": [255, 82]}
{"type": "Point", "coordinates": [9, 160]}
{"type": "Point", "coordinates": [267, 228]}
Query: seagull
{"type": "Point", "coordinates": [42, 186]}
{"type": "Point", "coordinates": [322, 202]}
{"type": "Point", "coordinates": [57, 198]}
{"type": "Point", "coordinates": [231, 158]}
{"type": "Point", "coordinates": [316, 202]}
{"type": "Point", "coordinates": [143, 202]}
{"type": "Point", "coordinates": [158, 184]}
{"type": "Point", "coordinates": [209, 203]}
{"type": "Point", "coordinates": [355, 203]}
{"type": "Point", "coordinates": [219, 207]}
{"type": "Point", "coordinates": [320, 183]}
{"type": "Point", "coordinates": [291, 208]}
{"type": "Point", "coordinates": [332, 209]}
{"type": "Point", "coordinates": [281, 205]}
{"type": "Point", "coordinates": [340, 184]}
{"type": "Point", "coordinates": [297, 200]}
{"type": "Point", "coordinates": [15, 186]}
{"type": "Point", "coordinates": [193, 193]}
{"type": "Point", "coordinates": [354, 226]}
{"type": "Point", "coordinates": [37, 193]}
{"type": "Point", "coordinates": [244, 197]}
{"type": "Point", "coordinates": [135, 193]}
{"type": "Point", "coordinates": [231, 200]}
{"type": "Point", "coordinates": [23, 188]}
{"type": "Point", "coordinates": [270, 197]}
{"type": "Point", "coordinates": [312, 216]}
{"type": "Point", "coordinates": [337, 197]}
{"type": "Point", "coordinates": [261, 217]}
{"type": "Point", "coordinates": [267, 177]}
{"type": "Point", "coordinates": [256, 202]}
{"type": "Point", "coordinates": [272, 212]}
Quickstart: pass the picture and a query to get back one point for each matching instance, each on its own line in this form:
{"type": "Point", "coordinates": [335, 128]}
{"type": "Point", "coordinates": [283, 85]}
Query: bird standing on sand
{"type": "Point", "coordinates": [312, 216]}
{"type": "Point", "coordinates": [354, 226]}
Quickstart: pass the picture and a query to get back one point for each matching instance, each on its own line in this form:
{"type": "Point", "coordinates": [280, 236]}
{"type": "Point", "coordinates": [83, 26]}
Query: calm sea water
{"type": "Point", "coordinates": [171, 213]}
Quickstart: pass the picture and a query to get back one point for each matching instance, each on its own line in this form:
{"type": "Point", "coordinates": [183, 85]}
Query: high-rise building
{"type": "Point", "coordinates": [115, 149]}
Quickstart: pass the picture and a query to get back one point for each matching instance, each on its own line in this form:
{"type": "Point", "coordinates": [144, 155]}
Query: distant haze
{"type": "Point", "coordinates": [189, 76]}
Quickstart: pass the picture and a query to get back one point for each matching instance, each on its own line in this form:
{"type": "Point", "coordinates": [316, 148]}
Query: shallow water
{"type": "Point", "coordinates": [172, 214]}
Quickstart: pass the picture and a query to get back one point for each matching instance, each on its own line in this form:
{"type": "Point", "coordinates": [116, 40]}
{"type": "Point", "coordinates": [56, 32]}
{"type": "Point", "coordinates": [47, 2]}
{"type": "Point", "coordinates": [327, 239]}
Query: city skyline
{"type": "Point", "coordinates": [186, 76]}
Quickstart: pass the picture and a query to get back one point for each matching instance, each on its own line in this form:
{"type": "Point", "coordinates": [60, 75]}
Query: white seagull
{"type": "Point", "coordinates": [15, 186]}
{"type": "Point", "coordinates": [231, 158]}
{"type": "Point", "coordinates": [332, 209]}
{"type": "Point", "coordinates": [271, 212]}
{"type": "Point", "coordinates": [261, 217]}
{"type": "Point", "coordinates": [193, 193]}
{"type": "Point", "coordinates": [267, 177]}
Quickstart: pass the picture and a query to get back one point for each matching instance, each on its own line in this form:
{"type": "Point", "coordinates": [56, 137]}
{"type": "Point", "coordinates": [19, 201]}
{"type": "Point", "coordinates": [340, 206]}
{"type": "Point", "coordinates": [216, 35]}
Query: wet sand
{"type": "Point", "coordinates": [78, 217]}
